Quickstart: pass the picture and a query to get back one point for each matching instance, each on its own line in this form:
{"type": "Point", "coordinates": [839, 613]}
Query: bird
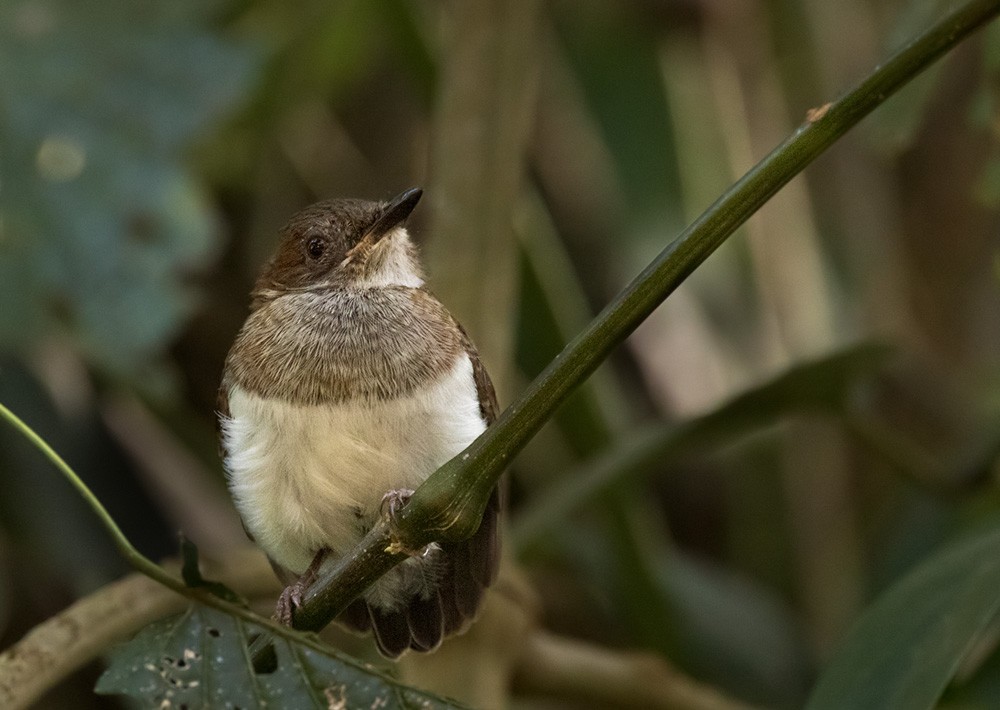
{"type": "Point", "coordinates": [348, 385]}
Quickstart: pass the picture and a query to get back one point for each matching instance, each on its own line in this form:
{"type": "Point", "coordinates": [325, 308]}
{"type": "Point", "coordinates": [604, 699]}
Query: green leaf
{"type": "Point", "coordinates": [907, 646]}
{"type": "Point", "coordinates": [198, 659]}
{"type": "Point", "coordinates": [100, 220]}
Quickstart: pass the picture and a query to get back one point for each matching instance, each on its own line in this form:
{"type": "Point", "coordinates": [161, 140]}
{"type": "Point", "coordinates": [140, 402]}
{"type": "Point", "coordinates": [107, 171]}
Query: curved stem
{"type": "Point", "coordinates": [140, 562]}
{"type": "Point", "coordinates": [450, 503]}
{"type": "Point", "coordinates": [121, 542]}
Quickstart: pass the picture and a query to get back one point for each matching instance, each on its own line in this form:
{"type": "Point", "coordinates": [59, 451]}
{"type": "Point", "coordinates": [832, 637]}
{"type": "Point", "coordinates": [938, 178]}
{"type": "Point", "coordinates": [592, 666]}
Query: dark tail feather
{"type": "Point", "coordinates": [426, 623]}
{"type": "Point", "coordinates": [474, 563]}
{"type": "Point", "coordinates": [355, 617]}
{"type": "Point", "coordinates": [472, 567]}
{"type": "Point", "coordinates": [392, 633]}
{"type": "Point", "coordinates": [451, 615]}
{"type": "Point", "coordinates": [484, 548]}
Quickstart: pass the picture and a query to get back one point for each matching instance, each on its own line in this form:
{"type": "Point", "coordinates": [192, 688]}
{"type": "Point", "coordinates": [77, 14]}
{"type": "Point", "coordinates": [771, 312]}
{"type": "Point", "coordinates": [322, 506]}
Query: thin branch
{"type": "Point", "coordinates": [481, 128]}
{"type": "Point", "coordinates": [132, 555]}
{"type": "Point", "coordinates": [72, 638]}
{"type": "Point", "coordinates": [574, 670]}
{"type": "Point", "coordinates": [449, 505]}
{"type": "Point", "coordinates": [136, 559]}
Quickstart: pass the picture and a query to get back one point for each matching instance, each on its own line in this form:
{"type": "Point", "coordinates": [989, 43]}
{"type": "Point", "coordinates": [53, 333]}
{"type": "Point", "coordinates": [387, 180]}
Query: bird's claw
{"type": "Point", "coordinates": [289, 600]}
{"type": "Point", "coordinates": [291, 597]}
{"type": "Point", "coordinates": [393, 502]}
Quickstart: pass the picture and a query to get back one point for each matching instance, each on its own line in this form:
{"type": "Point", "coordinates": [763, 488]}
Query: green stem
{"type": "Point", "coordinates": [132, 555]}
{"type": "Point", "coordinates": [449, 503]}
{"type": "Point", "coordinates": [140, 562]}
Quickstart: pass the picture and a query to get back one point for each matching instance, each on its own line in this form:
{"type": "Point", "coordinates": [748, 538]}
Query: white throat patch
{"type": "Point", "coordinates": [399, 268]}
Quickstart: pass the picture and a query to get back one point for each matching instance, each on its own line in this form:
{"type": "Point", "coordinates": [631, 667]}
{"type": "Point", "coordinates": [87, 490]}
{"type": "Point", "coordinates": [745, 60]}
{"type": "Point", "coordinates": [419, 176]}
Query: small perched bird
{"type": "Point", "coordinates": [348, 385]}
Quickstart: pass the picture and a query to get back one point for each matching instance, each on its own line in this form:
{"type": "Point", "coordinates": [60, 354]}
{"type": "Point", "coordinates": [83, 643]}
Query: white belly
{"type": "Point", "coordinates": [307, 477]}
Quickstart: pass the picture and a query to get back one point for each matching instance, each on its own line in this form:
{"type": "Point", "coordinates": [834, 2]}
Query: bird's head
{"type": "Point", "coordinates": [344, 243]}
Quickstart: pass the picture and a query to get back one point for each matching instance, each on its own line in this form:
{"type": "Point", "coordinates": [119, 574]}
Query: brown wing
{"type": "Point", "coordinates": [472, 566]}
{"type": "Point", "coordinates": [221, 412]}
{"type": "Point", "coordinates": [484, 385]}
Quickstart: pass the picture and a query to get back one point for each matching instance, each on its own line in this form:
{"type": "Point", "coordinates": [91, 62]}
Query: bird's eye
{"type": "Point", "coordinates": [315, 247]}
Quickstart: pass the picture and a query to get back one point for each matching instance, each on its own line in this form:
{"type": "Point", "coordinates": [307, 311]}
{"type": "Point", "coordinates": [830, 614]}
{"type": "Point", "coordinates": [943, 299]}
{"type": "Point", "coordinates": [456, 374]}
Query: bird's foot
{"type": "Point", "coordinates": [288, 601]}
{"type": "Point", "coordinates": [392, 503]}
{"type": "Point", "coordinates": [291, 596]}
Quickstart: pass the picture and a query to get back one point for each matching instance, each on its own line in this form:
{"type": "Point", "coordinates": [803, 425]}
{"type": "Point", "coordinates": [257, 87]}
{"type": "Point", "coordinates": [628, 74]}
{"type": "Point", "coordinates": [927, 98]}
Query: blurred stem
{"type": "Point", "coordinates": [594, 420]}
{"type": "Point", "coordinates": [816, 386]}
{"type": "Point", "coordinates": [481, 127]}
{"type": "Point", "coordinates": [57, 647]}
{"type": "Point", "coordinates": [595, 676]}
{"type": "Point", "coordinates": [449, 505]}
{"type": "Point", "coordinates": [633, 456]}
{"type": "Point", "coordinates": [564, 295]}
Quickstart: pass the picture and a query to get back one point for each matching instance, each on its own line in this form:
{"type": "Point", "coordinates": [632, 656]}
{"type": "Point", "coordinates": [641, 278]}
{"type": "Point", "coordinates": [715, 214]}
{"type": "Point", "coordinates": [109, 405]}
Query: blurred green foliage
{"type": "Point", "coordinates": [149, 152]}
{"type": "Point", "coordinates": [917, 634]}
{"type": "Point", "coordinates": [102, 223]}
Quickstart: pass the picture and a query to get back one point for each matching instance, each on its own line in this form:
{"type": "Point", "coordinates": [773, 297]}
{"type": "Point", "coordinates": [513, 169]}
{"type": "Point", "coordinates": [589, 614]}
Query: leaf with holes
{"type": "Point", "coordinates": [199, 659]}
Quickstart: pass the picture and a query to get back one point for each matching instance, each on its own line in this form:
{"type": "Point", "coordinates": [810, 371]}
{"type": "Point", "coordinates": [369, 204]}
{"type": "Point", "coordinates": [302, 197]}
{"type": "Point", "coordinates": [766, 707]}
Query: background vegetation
{"type": "Point", "coordinates": [698, 500]}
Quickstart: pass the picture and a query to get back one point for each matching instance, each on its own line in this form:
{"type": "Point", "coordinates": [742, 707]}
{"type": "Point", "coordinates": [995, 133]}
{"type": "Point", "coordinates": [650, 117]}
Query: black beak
{"type": "Point", "coordinates": [396, 212]}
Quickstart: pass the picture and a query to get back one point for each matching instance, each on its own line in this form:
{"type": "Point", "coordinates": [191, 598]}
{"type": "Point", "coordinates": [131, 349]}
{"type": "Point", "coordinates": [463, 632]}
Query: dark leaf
{"type": "Point", "coordinates": [199, 660]}
{"type": "Point", "coordinates": [909, 644]}
{"type": "Point", "coordinates": [817, 386]}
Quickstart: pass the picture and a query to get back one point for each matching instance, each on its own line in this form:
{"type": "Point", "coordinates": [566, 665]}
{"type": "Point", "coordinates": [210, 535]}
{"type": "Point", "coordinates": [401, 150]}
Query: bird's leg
{"type": "Point", "coordinates": [291, 596]}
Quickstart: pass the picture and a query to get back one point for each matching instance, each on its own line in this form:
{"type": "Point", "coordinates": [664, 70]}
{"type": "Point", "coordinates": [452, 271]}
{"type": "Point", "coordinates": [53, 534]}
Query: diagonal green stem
{"type": "Point", "coordinates": [450, 503]}
{"type": "Point", "coordinates": [132, 555]}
